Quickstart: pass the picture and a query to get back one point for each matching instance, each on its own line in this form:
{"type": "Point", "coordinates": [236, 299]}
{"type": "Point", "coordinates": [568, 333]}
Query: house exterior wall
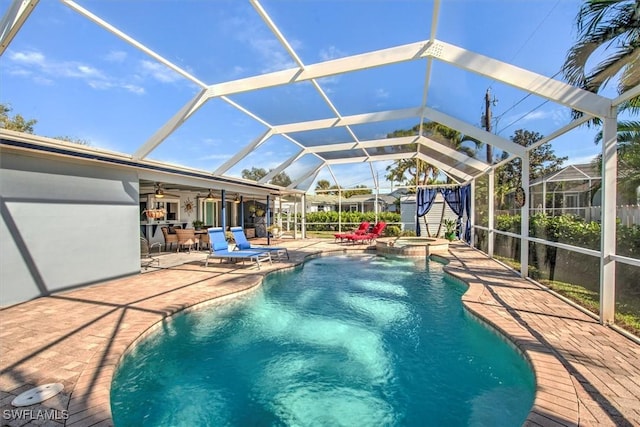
{"type": "Point", "coordinates": [64, 224]}
{"type": "Point", "coordinates": [432, 220]}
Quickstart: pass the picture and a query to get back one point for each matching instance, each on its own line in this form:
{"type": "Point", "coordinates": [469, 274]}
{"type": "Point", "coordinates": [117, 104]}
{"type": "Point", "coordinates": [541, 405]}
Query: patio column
{"type": "Point", "coordinates": [223, 209]}
{"type": "Point", "coordinates": [491, 202]}
{"type": "Point", "coordinates": [242, 211]}
{"type": "Point", "coordinates": [524, 218]}
{"type": "Point", "coordinates": [472, 214]}
{"type": "Point", "coordinates": [303, 215]}
{"type": "Point", "coordinates": [267, 219]}
{"type": "Point", "coordinates": [295, 217]}
{"type": "Point", "coordinates": [608, 232]}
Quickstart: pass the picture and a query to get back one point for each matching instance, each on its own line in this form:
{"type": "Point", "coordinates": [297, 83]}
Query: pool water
{"type": "Point", "coordinates": [341, 341]}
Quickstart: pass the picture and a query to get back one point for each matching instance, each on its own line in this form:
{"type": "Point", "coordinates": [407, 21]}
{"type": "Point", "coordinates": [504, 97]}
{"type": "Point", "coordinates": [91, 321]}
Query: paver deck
{"type": "Point", "coordinates": [587, 374]}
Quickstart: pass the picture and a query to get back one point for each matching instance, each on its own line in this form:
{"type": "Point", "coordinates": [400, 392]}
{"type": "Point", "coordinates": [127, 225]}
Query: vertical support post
{"type": "Point", "coordinates": [267, 219]}
{"type": "Point", "coordinates": [608, 232]}
{"type": "Point", "coordinates": [472, 214]}
{"type": "Point", "coordinates": [339, 210]}
{"type": "Point", "coordinates": [524, 217]}
{"type": "Point", "coordinates": [223, 209]}
{"type": "Point", "coordinates": [242, 212]}
{"type": "Point", "coordinates": [295, 217]}
{"type": "Point", "coordinates": [491, 202]}
{"type": "Point", "coordinates": [303, 215]}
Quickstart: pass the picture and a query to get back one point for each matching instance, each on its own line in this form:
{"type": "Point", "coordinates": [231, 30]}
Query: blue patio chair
{"type": "Point", "coordinates": [243, 244]}
{"type": "Point", "coordinates": [220, 249]}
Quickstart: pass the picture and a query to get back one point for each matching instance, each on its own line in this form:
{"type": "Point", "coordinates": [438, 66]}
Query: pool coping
{"type": "Point", "coordinates": [86, 399]}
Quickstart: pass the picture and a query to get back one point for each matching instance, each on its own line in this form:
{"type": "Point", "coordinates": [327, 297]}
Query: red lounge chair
{"type": "Point", "coordinates": [368, 237]}
{"type": "Point", "coordinates": [362, 229]}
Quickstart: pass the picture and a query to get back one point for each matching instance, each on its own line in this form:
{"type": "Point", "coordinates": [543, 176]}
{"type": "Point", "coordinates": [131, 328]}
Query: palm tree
{"type": "Point", "coordinates": [609, 29]}
{"type": "Point", "coordinates": [424, 173]}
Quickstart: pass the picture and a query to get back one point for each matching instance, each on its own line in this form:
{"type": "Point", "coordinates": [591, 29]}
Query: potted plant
{"type": "Point", "coordinates": [198, 224]}
{"type": "Point", "coordinates": [449, 229]}
{"type": "Point", "coordinates": [274, 230]}
{"type": "Point", "coordinates": [230, 240]}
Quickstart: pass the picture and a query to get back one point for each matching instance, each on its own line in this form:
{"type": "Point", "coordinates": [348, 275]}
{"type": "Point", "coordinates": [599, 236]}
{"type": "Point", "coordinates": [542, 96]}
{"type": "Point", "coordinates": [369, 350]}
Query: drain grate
{"type": "Point", "coordinates": [37, 394]}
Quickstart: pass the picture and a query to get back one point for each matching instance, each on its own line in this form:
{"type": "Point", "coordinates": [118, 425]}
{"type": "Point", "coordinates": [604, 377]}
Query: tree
{"type": "Point", "coordinates": [358, 189]}
{"type": "Point", "coordinates": [609, 43]}
{"type": "Point", "coordinates": [414, 172]}
{"type": "Point", "coordinates": [73, 140]}
{"type": "Point", "coordinates": [256, 174]}
{"type": "Point", "coordinates": [17, 122]}
{"type": "Point", "coordinates": [542, 161]}
{"type": "Point", "coordinates": [323, 185]}
{"type": "Point", "coordinates": [628, 140]}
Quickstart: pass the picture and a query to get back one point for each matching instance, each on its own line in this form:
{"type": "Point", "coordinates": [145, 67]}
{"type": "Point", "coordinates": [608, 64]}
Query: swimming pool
{"type": "Point", "coordinates": [347, 340]}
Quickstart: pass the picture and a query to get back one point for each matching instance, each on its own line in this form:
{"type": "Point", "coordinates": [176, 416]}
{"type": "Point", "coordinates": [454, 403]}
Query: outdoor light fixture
{"type": "Point", "coordinates": [237, 199]}
{"type": "Point", "coordinates": [210, 196]}
{"type": "Point", "coordinates": [159, 191]}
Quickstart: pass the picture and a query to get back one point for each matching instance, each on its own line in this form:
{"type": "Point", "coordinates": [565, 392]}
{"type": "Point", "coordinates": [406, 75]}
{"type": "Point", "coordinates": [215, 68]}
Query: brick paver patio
{"type": "Point", "coordinates": [587, 374]}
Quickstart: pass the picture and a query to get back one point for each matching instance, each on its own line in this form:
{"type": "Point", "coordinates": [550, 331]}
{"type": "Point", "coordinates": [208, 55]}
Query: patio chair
{"type": "Point", "coordinates": [187, 238]}
{"type": "Point", "coordinates": [368, 237]}
{"type": "Point", "coordinates": [169, 237]}
{"type": "Point", "coordinates": [220, 249]}
{"type": "Point", "coordinates": [362, 229]}
{"type": "Point", "coordinates": [243, 244]}
{"type": "Point", "coordinates": [146, 253]}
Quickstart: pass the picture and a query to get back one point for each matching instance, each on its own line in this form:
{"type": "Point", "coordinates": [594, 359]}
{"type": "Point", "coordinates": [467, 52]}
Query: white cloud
{"type": "Point", "coordinates": [159, 71]}
{"type": "Point", "coordinates": [31, 58]}
{"type": "Point", "coordinates": [216, 157]}
{"type": "Point", "coordinates": [382, 94]}
{"type": "Point", "coordinates": [557, 117]}
{"type": "Point", "coordinates": [44, 71]}
{"type": "Point", "coordinates": [331, 52]}
{"type": "Point", "coordinates": [138, 90]}
{"type": "Point", "coordinates": [116, 56]}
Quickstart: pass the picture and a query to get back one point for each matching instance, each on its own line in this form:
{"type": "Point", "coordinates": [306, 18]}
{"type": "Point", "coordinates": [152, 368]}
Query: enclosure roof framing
{"type": "Point", "coordinates": [347, 142]}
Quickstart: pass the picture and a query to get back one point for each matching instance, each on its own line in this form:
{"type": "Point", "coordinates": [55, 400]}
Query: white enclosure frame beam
{"type": "Point", "coordinates": [13, 20]}
{"type": "Point", "coordinates": [242, 153]}
{"type": "Point", "coordinates": [608, 237]}
{"type": "Point", "coordinates": [524, 217]}
{"type": "Point", "coordinates": [546, 87]}
{"type": "Point", "coordinates": [491, 204]}
{"type": "Point", "coordinates": [174, 123]}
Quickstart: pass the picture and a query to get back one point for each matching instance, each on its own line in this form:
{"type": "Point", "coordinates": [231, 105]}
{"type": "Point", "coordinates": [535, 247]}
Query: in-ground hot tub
{"type": "Point", "coordinates": [411, 246]}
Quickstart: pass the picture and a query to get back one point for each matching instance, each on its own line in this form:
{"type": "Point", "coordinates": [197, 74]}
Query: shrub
{"type": "Point", "coordinates": [392, 231]}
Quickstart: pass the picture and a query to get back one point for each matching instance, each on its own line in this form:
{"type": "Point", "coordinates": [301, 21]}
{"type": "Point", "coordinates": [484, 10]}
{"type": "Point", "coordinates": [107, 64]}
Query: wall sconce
{"type": "Point", "coordinates": [237, 199]}
{"type": "Point", "coordinates": [210, 196]}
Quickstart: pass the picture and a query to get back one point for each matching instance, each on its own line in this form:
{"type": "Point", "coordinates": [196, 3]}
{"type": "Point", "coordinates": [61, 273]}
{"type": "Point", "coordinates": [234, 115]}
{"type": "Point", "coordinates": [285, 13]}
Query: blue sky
{"type": "Point", "coordinates": [79, 80]}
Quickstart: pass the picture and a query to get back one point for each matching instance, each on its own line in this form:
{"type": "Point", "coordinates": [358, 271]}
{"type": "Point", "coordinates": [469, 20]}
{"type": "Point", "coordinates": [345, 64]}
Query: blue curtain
{"type": "Point", "coordinates": [465, 193]}
{"type": "Point", "coordinates": [453, 197]}
{"type": "Point", "coordinates": [424, 203]}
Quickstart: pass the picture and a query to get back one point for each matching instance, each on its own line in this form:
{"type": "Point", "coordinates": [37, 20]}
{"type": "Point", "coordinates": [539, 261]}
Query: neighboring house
{"type": "Point", "coordinates": [356, 203]}
{"type": "Point", "coordinates": [321, 203]}
{"type": "Point", "coordinates": [571, 190]}
{"type": "Point", "coordinates": [367, 203]}
{"type": "Point", "coordinates": [576, 190]}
